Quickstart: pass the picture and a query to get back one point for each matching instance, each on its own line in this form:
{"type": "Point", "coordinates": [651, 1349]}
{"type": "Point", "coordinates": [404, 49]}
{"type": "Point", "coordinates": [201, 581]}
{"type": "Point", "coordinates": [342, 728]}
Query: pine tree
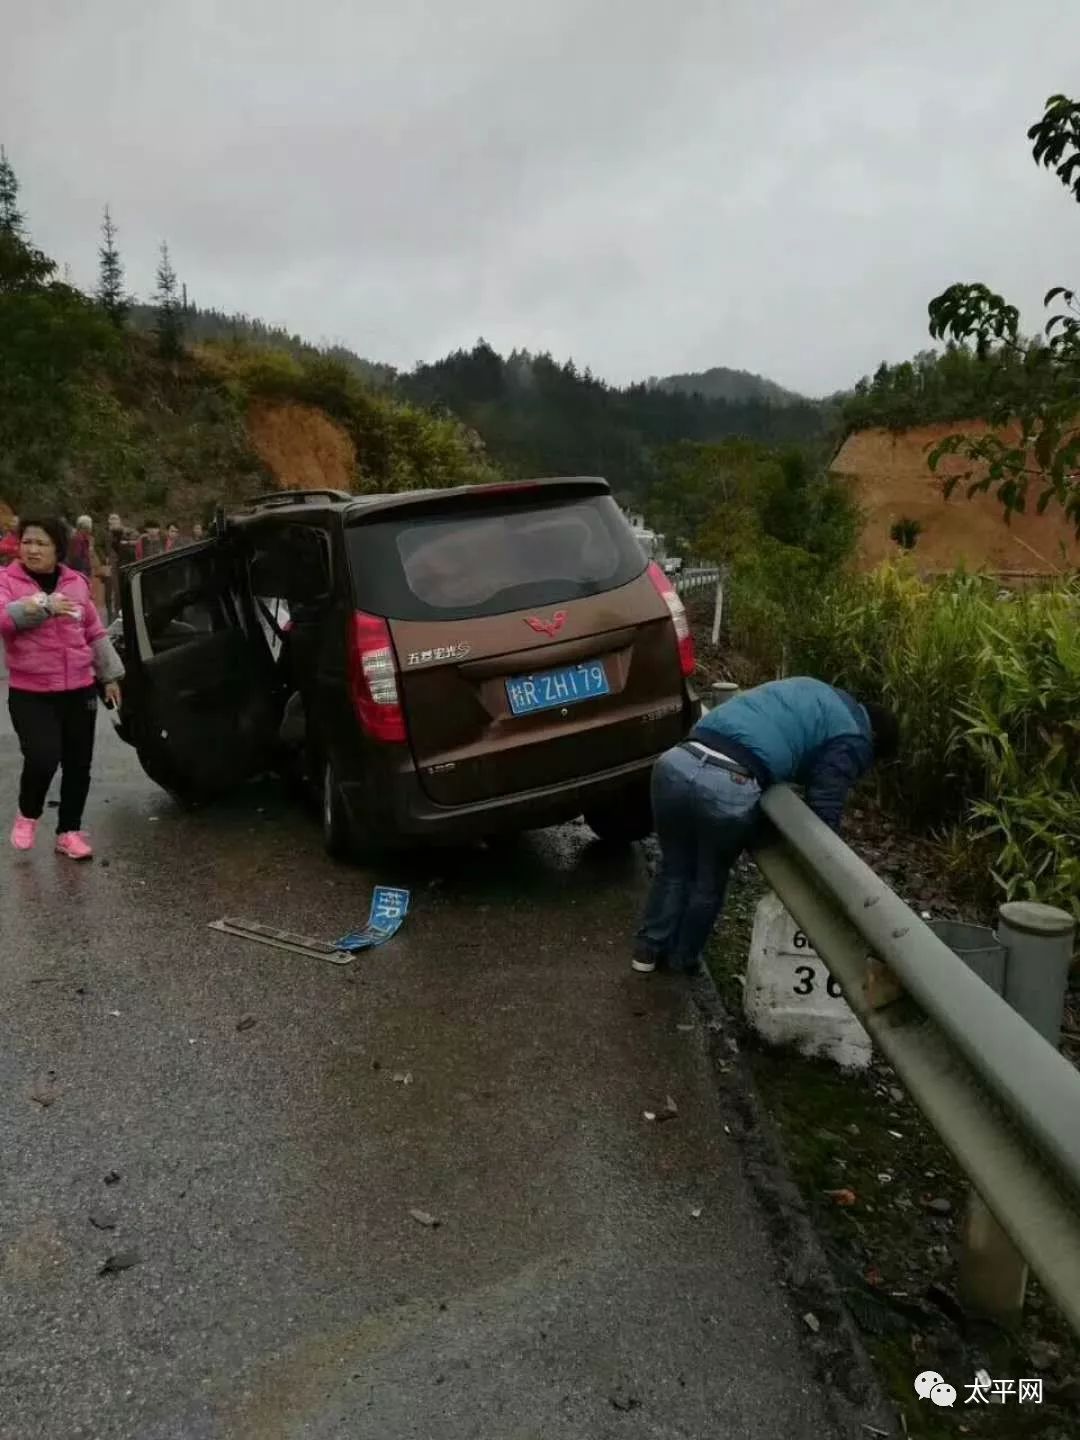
{"type": "Point", "coordinates": [170, 322]}
{"type": "Point", "coordinates": [21, 266]}
{"type": "Point", "coordinates": [11, 219]}
{"type": "Point", "coordinates": [110, 291]}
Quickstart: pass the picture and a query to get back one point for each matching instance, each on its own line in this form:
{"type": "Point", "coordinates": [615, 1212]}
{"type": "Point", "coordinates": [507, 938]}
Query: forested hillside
{"type": "Point", "coordinates": [96, 415]}
{"type": "Point", "coordinates": [720, 383]}
{"type": "Point", "coordinates": [216, 325]}
{"type": "Point", "coordinates": [537, 416]}
{"type": "Point", "coordinates": [954, 384]}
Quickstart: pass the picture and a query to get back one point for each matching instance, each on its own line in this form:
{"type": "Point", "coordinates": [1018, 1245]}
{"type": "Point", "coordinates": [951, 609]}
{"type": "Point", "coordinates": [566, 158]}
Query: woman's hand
{"type": "Point", "coordinates": [112, 694]}
{"type": "Point", "coordinates": [61, 605]}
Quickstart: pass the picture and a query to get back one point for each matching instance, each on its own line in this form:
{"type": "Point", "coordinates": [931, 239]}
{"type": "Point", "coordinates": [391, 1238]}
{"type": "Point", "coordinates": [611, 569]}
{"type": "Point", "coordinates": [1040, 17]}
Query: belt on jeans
{"type": "Point", "coordinates": [714, 757]}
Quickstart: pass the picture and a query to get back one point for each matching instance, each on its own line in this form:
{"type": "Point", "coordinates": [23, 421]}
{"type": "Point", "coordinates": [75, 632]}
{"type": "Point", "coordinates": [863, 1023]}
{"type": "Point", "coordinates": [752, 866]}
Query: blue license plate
{"type": "Point", "coordinates": [551, 689]}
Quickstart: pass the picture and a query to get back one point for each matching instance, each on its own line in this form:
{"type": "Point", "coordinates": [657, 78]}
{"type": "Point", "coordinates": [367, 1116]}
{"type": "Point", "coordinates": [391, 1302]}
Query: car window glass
{"type": "Point", "coordinates": [290, 563]}
{"type": "Point", "coordinates": [452, 566]}
{"type": "Point", "coordinates": [289, 567]}
{"type": "Point", "coordinates": [182, 602]}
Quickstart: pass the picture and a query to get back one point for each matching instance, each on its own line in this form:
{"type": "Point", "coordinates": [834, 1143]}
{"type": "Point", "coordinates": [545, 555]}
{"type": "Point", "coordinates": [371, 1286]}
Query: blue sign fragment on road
{"type": "Point", "coordinates": [389, 906]}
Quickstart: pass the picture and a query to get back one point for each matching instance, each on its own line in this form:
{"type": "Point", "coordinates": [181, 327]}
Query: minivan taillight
{"type": "Point", "coordinates": [373, 679]}
{"type": "Point", "coordinates": [670, 597]}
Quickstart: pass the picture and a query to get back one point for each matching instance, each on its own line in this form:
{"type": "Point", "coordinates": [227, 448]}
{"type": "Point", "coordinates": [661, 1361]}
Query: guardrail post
{"type": "Point", "coordinates": [1038, 941]}
{"type": "Point", "coordinates": [991, 1273]}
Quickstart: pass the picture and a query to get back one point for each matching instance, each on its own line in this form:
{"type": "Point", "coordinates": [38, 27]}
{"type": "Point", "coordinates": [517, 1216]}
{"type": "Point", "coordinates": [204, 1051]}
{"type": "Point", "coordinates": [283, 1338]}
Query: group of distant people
{"type": "Point", "coordinates": [124, 545]}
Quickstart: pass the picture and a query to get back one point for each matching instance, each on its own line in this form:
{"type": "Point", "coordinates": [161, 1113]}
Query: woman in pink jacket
{"type": "Point", "coordinates": [57, 652]}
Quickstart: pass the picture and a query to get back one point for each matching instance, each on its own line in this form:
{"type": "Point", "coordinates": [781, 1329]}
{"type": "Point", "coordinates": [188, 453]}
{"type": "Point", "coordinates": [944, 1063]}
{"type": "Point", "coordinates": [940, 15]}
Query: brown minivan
{"type": "Point", "coordinates": [444, 664]}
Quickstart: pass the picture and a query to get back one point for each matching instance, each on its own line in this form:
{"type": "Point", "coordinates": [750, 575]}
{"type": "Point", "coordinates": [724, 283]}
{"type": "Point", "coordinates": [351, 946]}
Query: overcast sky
{"type": "Point", "coordinates": [650, 187]}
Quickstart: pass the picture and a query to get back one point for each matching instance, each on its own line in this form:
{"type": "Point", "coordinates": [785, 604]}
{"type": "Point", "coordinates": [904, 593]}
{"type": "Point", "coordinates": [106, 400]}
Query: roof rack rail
{"type": "Point", "coordinates": [296, 497]}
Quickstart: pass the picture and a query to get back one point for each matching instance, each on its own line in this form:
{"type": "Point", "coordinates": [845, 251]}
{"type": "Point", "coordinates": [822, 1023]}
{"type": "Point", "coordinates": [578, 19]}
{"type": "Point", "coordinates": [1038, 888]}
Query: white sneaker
{"type": "Point", "coordinates": [643, 967]}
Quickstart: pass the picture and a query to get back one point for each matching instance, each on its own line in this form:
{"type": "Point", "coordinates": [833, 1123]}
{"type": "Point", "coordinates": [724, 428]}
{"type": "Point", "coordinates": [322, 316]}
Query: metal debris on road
{"type": "Point", "coordinates": [308, 945]}
{"type": "Point", "coordinates": [423, 1218]}
{"type": "Point", "coordinates": [402, 1077]}
{"type": "Point", "coordinates": [123, 1261]}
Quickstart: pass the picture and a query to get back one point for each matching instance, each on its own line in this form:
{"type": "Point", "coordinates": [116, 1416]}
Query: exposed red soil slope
{"type": "Point", "coordinates": [302, 447]}
{"type": "Point", "coordinates": [893, 481]}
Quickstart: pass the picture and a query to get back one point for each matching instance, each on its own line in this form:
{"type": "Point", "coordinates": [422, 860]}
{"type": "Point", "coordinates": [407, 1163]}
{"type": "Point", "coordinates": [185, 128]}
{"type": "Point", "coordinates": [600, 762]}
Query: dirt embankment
{"type": "Point", "coordinates": [893, 481]}
{"type": "Point", "coordinates": [302, 447]}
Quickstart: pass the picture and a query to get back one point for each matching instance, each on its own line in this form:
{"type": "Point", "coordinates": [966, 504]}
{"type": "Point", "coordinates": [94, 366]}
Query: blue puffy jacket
{"type": "Point", "coordinates": [799, 730]}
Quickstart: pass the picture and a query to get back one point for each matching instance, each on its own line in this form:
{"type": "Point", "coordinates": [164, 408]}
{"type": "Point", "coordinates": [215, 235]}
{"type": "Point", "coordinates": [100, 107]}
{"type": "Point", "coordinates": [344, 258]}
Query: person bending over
{"type": "Point", "coordinates": [706, 797]}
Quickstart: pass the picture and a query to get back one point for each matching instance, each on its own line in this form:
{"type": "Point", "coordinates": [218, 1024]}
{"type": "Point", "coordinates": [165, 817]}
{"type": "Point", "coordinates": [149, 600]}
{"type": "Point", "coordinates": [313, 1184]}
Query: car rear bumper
{"type": "Point", "coordinates": [413, 816]}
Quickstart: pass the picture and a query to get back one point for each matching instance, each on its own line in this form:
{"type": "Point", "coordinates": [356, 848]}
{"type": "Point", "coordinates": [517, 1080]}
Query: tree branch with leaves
{"type": "Point", "coordinates": [1045, 456]}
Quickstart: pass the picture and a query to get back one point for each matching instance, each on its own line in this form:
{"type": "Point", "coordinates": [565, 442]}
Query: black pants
{"type": "Point", "coordinates": [55, 730]}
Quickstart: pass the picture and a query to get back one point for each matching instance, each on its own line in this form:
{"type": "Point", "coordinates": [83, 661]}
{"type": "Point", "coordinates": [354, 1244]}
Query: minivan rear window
{"type": "Point", "coordinates": [468, 563]}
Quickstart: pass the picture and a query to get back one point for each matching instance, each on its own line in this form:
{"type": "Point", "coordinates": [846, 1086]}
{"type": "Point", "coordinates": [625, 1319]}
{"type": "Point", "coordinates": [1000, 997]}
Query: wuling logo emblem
{"type": "Point", "coordinates": [551, 627]}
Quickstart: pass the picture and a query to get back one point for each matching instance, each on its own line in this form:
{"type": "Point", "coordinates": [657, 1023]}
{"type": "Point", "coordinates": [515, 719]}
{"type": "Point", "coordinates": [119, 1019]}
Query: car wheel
{"type": "Point", "coordinates": [336, 827]}
{"type": "Point", "coordinates": [623, 819]}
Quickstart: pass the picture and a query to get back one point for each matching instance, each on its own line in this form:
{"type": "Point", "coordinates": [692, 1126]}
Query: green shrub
{"type": "Point", "coordinates": [987, 688]}
{"type": "Point", "coordinates": [772, 587]}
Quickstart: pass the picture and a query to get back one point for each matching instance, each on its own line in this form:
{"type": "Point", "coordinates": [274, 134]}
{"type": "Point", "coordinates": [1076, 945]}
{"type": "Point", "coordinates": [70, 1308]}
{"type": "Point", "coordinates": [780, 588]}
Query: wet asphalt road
{"type": "Point", "coordinates": [266, 1175]}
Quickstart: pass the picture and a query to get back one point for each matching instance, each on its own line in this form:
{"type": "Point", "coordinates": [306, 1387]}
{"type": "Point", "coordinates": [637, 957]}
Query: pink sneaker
{"type": "Point", "coordinates": [75, 844]}
{"type": "Point", "coordinates": [23, 832]}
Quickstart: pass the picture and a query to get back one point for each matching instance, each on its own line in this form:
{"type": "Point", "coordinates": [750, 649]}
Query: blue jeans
{"type": "Point", "coordinates": [705, 817]}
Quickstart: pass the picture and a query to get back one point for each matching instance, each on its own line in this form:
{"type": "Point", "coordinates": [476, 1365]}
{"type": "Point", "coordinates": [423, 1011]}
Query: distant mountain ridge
{"type": "Point", "coordinates": [718, 383]}
{"type": "Point", "coordinates": [721, 383]}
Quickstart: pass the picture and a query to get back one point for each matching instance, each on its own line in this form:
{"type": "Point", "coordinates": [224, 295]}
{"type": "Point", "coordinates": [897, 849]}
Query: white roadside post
{"type": "Point", "coordinates": [791, 999]}
{"type": "Point", "coordinates": [718, 612]}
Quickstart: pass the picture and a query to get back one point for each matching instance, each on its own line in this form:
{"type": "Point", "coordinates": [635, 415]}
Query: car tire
{"type": "Point", "coordinates": [336, 825]}
{"type": "Point", "coordinates": [623, 819]}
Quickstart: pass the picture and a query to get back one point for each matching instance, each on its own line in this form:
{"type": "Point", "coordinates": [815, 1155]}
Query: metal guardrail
{"type": "Point", "coordinates": [689, 581]}
{"type": "Point", "coordinates": [1001, 1098]}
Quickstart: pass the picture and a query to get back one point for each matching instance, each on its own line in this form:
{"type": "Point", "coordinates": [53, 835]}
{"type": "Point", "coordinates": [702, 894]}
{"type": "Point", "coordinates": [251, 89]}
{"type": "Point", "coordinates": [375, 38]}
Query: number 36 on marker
{"type": "Point", "coordinates": [809, 977]}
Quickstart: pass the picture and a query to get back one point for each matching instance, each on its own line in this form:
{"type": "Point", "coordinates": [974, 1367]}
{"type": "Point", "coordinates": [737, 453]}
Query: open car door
{"type": "Point", "coordinates": [199, 701]}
